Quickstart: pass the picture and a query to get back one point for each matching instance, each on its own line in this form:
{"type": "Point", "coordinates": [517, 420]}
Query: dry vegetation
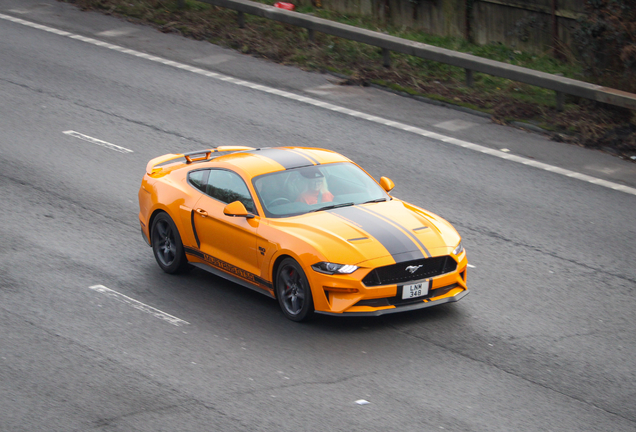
{"type": "Point", "coordinates": [583, 122]}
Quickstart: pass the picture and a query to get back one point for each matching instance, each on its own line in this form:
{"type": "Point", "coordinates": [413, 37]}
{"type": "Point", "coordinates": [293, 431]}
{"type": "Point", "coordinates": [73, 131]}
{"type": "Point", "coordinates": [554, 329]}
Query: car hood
{"type": "Point", "coordinates": [356, 234]}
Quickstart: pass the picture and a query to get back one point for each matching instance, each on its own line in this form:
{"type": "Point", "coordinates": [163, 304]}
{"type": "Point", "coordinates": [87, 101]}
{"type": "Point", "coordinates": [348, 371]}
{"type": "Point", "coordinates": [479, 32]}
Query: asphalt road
{"type": "Point", "coordinates": [545, 341]}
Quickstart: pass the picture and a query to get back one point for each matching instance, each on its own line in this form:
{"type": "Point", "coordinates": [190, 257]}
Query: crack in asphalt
{"type": "Point", "coordinates": [101, 111]}
{"type": "Point", "coordinates": [509, 372]}
{"type": "Point", "coordinates": [60, 197]}
{"type": "Point", "coordinates": [189, 400]}
{"type": "Point", "coordinates": [498, 236]}
{"type": "Point", "coordinates": [301, 384]}
{"type": "Point", "coordinates": [110, 421]}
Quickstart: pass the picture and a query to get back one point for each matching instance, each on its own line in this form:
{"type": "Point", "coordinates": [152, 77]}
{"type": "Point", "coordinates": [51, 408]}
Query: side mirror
{"type": "Point", "coordinates": [387, 184]}
{"type": "Point", "coordinates": [237, 209]}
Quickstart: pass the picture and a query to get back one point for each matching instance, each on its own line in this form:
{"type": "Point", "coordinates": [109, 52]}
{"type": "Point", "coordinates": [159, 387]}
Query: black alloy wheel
{"type": "Point", "coordinates": [293, 291]}
{"type": "Point", "coordinates": [167, 246]}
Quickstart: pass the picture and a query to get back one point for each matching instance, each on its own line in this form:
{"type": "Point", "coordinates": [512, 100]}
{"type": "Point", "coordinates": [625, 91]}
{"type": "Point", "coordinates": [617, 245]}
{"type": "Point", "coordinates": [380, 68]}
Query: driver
{"type": "Point", "coordinates": [315, 187]}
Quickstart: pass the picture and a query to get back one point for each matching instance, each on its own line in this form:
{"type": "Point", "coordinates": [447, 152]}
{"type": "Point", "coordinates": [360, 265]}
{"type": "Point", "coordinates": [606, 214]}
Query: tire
{"type": "Point", "coordinates": [167, 246]}
{"type": "Point", "coordinates": [293, 291]}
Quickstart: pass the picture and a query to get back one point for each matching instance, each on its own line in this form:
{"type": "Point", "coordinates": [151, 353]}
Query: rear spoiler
{"type": "Point", "coordinates": [193, 156]}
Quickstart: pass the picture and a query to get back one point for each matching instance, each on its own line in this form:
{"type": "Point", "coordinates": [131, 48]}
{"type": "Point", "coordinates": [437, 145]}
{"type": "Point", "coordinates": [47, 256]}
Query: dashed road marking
{"type": "Point", "coordinates": [97, 141]}
{"type": "Point", "coordinates": [455, 125]}
{"type": "Point", "coordinates": [375, 119]}
{"type": "Point", "coordinates": [117, 32]}
{"type": "Point", "coordinates": [139, 305]}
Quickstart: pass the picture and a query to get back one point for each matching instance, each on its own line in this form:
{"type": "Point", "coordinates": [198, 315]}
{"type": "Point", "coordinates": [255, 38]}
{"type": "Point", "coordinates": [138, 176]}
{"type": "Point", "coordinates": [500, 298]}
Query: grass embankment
{"type": "Point", "coordinates": [582, 122]}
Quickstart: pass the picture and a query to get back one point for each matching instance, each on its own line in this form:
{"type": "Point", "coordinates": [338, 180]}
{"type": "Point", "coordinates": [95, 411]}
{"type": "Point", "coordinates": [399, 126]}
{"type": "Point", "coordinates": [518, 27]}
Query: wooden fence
{"type": "Point", "coordinates": [529, 25]}
{"type": "Point", "coordinates": [468, 62]}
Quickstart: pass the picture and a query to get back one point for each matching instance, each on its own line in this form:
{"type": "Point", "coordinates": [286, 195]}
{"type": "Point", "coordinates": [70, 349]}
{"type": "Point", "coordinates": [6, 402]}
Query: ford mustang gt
{"type": "Point", "coordinates": [305, 226]}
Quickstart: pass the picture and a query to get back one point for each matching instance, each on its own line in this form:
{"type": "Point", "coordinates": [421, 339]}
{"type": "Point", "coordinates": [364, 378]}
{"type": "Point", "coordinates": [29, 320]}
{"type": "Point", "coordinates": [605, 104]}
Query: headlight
{"type": "Point", "coordinates": [459, 249]}
{"type": "Point", "coordinates": [331, 268]}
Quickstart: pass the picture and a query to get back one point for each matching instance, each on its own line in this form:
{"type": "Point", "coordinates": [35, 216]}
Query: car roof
{"type": "Point", "coordinates": [251, 161]}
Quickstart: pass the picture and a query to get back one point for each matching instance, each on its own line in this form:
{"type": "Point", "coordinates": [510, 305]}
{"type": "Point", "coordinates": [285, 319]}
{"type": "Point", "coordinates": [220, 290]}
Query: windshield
{"type": "Point", "coordinates": [302, 190]}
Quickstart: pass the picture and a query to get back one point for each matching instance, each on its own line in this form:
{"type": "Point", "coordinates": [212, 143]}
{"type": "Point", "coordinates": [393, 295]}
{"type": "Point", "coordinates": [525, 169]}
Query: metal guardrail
{"type": "Point", "coordinates": [468, 62]}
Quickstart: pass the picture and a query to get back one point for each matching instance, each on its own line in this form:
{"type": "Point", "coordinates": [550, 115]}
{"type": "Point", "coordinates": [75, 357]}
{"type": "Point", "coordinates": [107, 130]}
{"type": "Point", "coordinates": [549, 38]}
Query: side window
{"type": "Point", "coordinates": [227, 187]}
{"type": "Point", "coordinates": [199, 179]}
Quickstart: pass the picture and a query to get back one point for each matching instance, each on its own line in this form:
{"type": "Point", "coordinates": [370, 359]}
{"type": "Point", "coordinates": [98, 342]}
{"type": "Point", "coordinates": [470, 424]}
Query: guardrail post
{"type": "Point", "coordinates": [386, 57]}
{"type": "Point", "coordinates": [560, 99]}
{"type": "Point", "coordinates": [469, 78]}
{"type": "Point", "coordinates": [561, 84]}
{"type": "Point", "coordinates": [311, 34]}
{"type": "Point", "coordinates": [241, 20]}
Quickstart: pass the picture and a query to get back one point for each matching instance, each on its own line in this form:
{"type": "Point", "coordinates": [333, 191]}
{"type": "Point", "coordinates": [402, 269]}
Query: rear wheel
{"type": "Point", "coordinates": [293, 291]}
{"type": "Point", "coordinates": [167, 246]}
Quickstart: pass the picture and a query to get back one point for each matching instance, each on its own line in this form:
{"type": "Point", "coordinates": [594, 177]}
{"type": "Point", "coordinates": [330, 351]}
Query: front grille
{"type": "Point", "coordinates": [397, 273]}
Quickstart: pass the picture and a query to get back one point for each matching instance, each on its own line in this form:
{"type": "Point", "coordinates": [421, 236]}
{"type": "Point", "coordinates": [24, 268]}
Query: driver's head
{"type": "Point", "coordinates": [316, 184]}
{"type": "Point", "coordinates": [315, 179]}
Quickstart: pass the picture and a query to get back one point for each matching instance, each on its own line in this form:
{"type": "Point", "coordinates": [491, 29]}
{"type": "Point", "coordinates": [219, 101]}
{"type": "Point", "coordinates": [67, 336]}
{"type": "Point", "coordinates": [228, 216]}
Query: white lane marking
{"type": "Point", "coordinates": [455, 125]}
{"type": "Point", "coordinates": [471, 266]}
{"type": "Point", "coordinates": [379, 120]}
{"type": "Point", "coordinates": [118, 32]}
{"type": "Point", "coordinates": [139, 305]}
{"type": "Point", "coordinates": [97, 141]}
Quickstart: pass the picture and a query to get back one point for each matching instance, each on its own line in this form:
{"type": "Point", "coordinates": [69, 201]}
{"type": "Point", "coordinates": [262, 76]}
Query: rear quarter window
{"type": "Point", "coordinates": [199, 179]}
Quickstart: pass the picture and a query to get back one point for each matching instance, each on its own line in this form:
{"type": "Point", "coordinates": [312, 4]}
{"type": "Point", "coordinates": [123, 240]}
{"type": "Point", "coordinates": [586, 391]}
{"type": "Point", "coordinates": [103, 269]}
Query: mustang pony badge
{"type": "Point", "coordinates": [412, 269]}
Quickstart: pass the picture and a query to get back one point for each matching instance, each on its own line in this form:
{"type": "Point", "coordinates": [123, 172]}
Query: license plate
{"type": "Point", "coordinates": [415, 290]}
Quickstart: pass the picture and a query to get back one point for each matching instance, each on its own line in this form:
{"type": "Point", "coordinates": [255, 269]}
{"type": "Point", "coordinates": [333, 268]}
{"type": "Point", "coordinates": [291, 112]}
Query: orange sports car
{"type": "Point", "coordinates": [305, 226]}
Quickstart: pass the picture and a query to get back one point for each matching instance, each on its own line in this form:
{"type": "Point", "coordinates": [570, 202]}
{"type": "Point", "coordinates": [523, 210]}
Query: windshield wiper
{"type": "Point", "coordinates": [329, 207]}
{"type": "Point", "coordinates": [375, 201]}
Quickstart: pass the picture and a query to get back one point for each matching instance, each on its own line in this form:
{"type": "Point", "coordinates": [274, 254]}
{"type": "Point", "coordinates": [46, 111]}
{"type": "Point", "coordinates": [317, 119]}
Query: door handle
{"type": "Point", "coordinates": [202, 212]}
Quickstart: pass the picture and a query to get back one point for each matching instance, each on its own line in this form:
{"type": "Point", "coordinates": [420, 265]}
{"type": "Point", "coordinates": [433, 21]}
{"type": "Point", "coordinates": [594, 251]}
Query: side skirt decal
{"type": "Point", "coordinates": [229, 268]}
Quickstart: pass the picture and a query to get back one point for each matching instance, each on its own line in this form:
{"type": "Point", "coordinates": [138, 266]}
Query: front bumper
{"type": "Point", "coordinates": [403, 308]}
{"type": "Point", "coordinates": [144, 235]}
{"type": "Point", "coordinates": [347, 295]}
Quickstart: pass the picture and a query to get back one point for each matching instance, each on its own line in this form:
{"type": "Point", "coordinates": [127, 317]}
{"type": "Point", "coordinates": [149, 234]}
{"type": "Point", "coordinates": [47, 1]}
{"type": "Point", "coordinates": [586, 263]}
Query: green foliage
{"type": "Point", "coordinates": [196, 5]}
{"type": "Point", "coordinates": [606, 41]}
{"type": "Point", "coordinates": [504, 99]}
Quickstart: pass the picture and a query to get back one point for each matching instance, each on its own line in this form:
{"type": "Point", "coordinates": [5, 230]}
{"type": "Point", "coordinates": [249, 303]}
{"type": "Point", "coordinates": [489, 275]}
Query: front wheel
{"type": "Point", "coordinates": [167, 246]}
{"type": "Point", "coordinates": [293, 291]}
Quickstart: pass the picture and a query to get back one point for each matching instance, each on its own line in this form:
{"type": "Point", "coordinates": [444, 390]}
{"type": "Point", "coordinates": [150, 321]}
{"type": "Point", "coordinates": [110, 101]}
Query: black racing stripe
{"type": "Point", "coordinates": [405, 229]}
{"type": "Point", "coordinates": [194, 228]}
{"type": "Point", "coordinates": [286, 158]}
{"type": "Point", "coordinates": [400, 246]}
{"type": "Point", "coordinates": [307, 155]}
